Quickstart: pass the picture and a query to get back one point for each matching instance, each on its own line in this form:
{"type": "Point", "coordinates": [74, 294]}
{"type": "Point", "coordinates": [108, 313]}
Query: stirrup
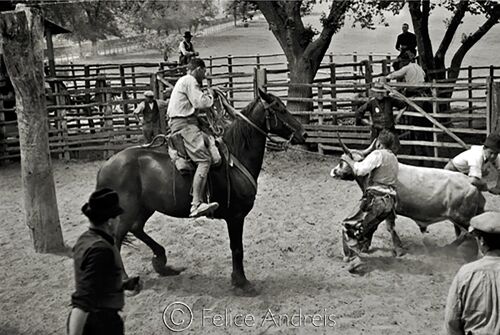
{"type": "Point", "coordinates": [203, 209]}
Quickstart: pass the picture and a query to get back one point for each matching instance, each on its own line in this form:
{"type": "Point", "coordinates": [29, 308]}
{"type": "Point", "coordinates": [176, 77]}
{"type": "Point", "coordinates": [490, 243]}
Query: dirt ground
{"type": "Point", "coordinates": [292, 255]}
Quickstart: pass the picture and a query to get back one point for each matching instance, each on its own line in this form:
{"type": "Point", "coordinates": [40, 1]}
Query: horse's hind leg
{"type": "Point", "coordinates": [159, 259]}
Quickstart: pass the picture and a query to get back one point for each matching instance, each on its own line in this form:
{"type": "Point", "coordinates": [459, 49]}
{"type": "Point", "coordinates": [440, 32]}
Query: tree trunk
{"type": "Point", "coordinates": [301, 72]}
{"type": "Point", "coordinates": [22, 33]}
{"type": "Point", "coordinates": [93, 48]}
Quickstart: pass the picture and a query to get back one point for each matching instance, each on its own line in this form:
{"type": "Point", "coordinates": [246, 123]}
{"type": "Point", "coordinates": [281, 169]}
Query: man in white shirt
{"type": "Point", "coordinates": [410, 73]}
{"type": "Point", "coordinates": [187, 97]}
{"type": "Point", "coordinates": [150, 110]}
{"type": "Point", "coordinates": [379, 199]}
{"type": "Point", "coordinates": [473, 304]}
{"type": "Point", "coordinates": [476, 161]}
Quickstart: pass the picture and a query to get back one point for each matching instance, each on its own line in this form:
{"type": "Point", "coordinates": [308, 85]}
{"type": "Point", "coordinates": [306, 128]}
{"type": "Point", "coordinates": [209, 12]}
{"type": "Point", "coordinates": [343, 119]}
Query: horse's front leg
{"type": "Point", "coordinates": [238, 278]}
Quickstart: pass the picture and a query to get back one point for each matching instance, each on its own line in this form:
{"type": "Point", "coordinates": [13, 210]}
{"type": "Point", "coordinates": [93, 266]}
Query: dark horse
{"type": "Point", "coordinates": [147, 181]}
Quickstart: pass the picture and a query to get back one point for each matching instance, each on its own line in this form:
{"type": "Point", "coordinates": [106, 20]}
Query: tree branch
{"type": "Point", "coordinates": [455, 22]}
{"type": "Point", "coordinates": [470, 41]}
{"type": "Point", "coordinates": [331, 24]}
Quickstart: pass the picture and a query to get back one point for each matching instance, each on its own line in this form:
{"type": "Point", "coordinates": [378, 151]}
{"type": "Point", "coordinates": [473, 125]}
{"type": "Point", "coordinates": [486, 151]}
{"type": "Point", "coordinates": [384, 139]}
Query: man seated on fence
{"type": "Point", "coordinates": [476, 161]}
{"type": "Point", "coordinates": [473, 304]}
{"type": "Point", "coordinates": [150, 110]}
{"type": "Point", "coordinates": [186, 49]}
{"type": "Point", "coordinates": [187, 97]}
{"type": "Point", "coordinates": [379, 198]}
{"type": "Point", "coordinates": [380, 105]}
{"type": "Point", "coordinates": [411, 73]}
{"type": "Point", "coordinates": [406, 41]}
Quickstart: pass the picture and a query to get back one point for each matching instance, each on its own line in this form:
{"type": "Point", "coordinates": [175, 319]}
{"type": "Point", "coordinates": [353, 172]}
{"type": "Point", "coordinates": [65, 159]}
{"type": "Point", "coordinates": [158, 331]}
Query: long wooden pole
{"type": "Point", "coordinates": [426, 115]}
{"type": "Point", "coordinates": [22, 35]}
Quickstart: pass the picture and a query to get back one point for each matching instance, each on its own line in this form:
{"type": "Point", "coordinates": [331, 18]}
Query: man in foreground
{"type": "Point", "coordinates": [186, 99]}
{"type": "Point", "coordinates": [379, 198]}
{"type": "Point", "coordinates": [473, 304]}
{"type": "Point", "coordinates": [476, 161]}
{"type": "Point", "coordinates": [99, 271]}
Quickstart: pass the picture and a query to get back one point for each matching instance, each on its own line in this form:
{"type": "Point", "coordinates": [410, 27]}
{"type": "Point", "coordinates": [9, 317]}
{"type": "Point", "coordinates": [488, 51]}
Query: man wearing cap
{"type": "Point", "coordinates": [380, 106]}
{"type": "Point", "coordinates": [411, 73]}
{"type": "Point", "coordinates": [99, 271]}
{"type": "Point", "coordinates": [186, 49]}
{"type": "Point", "coordinates": [150, 110]}
{"type": "Point", "coordinates": [186, 99]}
{"type": "Point", "coordinates": [476, 161]}
{"type": "Point", "coordinates": [473, 304]}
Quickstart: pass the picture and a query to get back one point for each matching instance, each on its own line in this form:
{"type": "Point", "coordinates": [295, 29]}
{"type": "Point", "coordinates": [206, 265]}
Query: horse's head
{"type": "Point", "coordinates": [343, 170]}
{"type": "Point", "coordinates": [279, 121]}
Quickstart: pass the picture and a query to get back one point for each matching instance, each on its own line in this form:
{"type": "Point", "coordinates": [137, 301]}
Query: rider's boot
{"type": "Point", "coordinates": [198, 207]}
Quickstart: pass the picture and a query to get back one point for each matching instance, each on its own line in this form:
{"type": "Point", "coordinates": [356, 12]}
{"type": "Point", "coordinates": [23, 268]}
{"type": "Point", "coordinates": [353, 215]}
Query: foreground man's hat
{"type": "Point", "coordinates": [149, 94]}
{"type": "Point", "coordinates": [493, 142]}
{"type": "Point", "coordinates": [488, 222]}
{"type": "Point", "coordinates": [103, 205]}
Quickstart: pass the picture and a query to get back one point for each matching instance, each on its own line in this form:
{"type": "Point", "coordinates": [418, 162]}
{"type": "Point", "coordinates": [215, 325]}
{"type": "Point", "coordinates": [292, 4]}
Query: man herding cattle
{"type": "Point", "coordinates": [476, 161]}
{"type": "Point", "coordinates": [380, 105]}
{"type": "Point", "coordinates": [99, 271]}
{"type": "Point", "coordinates": [473, 304]}
{"type": "Point", "coordinates": [187, 97]}
{"type": "Point", "coordinates": [378, 200]}
{"type": "Point", "coordinates": [150, 110]}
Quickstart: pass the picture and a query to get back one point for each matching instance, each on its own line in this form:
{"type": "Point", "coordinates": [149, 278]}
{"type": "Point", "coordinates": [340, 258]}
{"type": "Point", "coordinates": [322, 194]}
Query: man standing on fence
{"type": "Point", "coordinates": [186, 49]}
{"type": "Point", "coordinates": [380, 106]}
{"type": "Point", "coordinates": [150, 110]}
{"type": "Point", "coordinates": [186, 99]}
{"type": "Point", "coordinates": [476, 161]}
{"type": "Point", "coordinates": [406, 41]}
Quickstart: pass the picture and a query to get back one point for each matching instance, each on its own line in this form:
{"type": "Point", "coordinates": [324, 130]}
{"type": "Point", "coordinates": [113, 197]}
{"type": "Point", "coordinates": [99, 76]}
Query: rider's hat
{"type": "Point", "coordinates": [103, 205]}
{"type": "Point", "coordinates": [187, 34]}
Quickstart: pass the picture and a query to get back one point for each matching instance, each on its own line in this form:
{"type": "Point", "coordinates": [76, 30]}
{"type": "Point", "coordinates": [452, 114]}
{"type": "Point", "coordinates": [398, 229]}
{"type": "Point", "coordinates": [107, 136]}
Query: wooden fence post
{"type": "Point", "coordinates": [320, 112]}
{"type": "Point", "coordinates": [22, 34]}
{"type": "Point", "coordinates": [493, 107]}
{"type": "Point", "coordinates": [368, 75]}
{"type": "Point", "coordinates": [469, 89]}
{"type": "Point", "coordinates": [210, 64]}
{"type": "Point", "coordinates": [86, 74]}
{"type": "Point", "coordinates": [257, 60]}
{"type": "Point", "coordinates": [333, 91]}
{"type": "Point", "coordinates": [3, 133]}
{"type": "Point", "coordinates": [124, 98]}
{"type": "Point", "coordinates": [354, 60]}
{"type": "Point", "coordinates": [259, 80]}
{"type": "Point", "coordinates": [435, 110]}
{"type": "Point", "coordinates": [230, 79]}
{"type": "Point", "coordinates": [108, 123]}
{"type": "Point", "coordinates": [61, 125]}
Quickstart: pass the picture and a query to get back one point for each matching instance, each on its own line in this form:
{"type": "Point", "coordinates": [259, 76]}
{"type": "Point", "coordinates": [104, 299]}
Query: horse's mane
{"type": "Point", "coordinates": [239, 135]}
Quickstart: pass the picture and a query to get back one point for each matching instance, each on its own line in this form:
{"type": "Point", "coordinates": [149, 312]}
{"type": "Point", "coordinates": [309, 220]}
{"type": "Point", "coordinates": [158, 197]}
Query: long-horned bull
{"type": "Point", "coordinates": [425, 195]}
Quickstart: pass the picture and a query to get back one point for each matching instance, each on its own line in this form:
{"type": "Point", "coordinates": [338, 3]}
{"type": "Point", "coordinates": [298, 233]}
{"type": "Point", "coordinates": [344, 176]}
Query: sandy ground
{"type": "Point", "coordinates": [293, 256]}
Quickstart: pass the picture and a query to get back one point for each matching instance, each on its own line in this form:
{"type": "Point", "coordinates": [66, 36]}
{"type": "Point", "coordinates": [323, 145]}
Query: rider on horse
{"type": "Point", "coordinates": [187, 97]}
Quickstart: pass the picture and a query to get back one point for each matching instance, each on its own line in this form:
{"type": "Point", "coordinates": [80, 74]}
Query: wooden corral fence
{"type": "Point", "coordinates": [90, 105]}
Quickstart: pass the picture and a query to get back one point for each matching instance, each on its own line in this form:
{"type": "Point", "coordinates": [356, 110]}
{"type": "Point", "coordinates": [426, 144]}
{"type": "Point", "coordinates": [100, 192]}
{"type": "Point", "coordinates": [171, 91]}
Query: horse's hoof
{"type": "Point", "coordinates": [246, 290]}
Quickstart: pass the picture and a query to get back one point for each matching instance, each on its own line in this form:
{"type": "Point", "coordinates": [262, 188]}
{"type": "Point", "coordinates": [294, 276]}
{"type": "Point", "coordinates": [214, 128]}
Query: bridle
{"type": "Point", "coordinates": [270, 114]}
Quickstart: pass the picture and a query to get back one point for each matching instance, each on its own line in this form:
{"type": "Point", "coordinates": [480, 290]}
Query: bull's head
{"type": "Point", "coordinates": [343, 170]}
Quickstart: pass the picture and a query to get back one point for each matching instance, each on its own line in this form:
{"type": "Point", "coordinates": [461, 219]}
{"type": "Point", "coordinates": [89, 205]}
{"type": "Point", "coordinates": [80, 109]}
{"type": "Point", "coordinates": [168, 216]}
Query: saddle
{"type": "Point", "coordinates": [179, 156]}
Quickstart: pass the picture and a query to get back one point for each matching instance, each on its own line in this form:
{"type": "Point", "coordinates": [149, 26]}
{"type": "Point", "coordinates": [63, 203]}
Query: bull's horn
{"type": "Point", "coordinates": [347, 151]}
{"type": "Point", "coordinates": [368, 150]}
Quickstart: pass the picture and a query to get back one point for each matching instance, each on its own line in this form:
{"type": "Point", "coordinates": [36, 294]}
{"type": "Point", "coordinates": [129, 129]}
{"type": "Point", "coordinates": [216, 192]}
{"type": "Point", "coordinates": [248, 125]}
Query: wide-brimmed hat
{"type": "Point", "coordinates": [187, 34]}
{"type": "Point", "coordinates": [103, 205]}
{"type": "Point", "coordinates": [149, 94]}
{"type": "Point", "coordinates": [493, 142]}
{"type": "Point", "coordinates": [378, 88]}
{"type": "Point", "coordinates": [488, 222]}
